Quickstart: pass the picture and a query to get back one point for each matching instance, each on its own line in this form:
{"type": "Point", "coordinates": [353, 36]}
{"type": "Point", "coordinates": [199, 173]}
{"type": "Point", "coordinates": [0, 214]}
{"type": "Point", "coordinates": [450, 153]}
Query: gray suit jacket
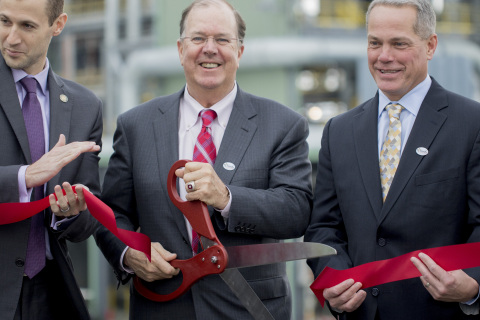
{"type": "Point", "coordinates": [434, 200]}
{"type": "Point", "coordinates": [271, 192]}
{"type": "Point", "coordinates": [79, 119]}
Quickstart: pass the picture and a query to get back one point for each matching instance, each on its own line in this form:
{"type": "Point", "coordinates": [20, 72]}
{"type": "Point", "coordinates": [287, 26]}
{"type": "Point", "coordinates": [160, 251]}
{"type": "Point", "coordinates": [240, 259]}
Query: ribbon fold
{"type": "Point", "coordinates": [454, 257]}
{"type": "Point", "coordinates": [15, 212]}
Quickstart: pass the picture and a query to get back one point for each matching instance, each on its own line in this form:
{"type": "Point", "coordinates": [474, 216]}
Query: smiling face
{"type": "Point", "coordinates": [397, 57]}
{"type": "Point", "coordinates": [210, 68]}
{"type": "Point", "coordinates": [25, 33]}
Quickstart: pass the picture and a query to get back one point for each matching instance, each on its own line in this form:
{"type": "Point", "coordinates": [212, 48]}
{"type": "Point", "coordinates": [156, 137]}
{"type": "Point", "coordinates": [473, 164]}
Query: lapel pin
{"type": "Point", "coordinates": [228, 166]}
{"type": "Point", "coordinates": [64, 98]}
{"type": "Point", "coordinates": [421, 151]}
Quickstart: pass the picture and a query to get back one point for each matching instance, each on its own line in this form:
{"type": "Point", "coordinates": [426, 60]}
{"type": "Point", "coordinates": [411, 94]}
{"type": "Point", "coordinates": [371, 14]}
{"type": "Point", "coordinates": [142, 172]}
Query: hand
{"type": "Point", "coordinates": [453, 286]}
{"type": "Point", "coordinates": [209, 188]}
{"type": "Point", "coordinates": [71, 203]}
{"type": "Point", "coordinates": [159, 268]}
{"type": "Point", "coordinates": [345, 296]}
{"type": "Point", "coordinates": [53, 161]}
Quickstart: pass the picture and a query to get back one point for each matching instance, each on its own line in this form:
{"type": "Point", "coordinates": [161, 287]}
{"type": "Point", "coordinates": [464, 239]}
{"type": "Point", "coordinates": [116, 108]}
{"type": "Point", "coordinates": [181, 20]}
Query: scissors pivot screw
{"type": "Point", "coordinates": [214, 259]}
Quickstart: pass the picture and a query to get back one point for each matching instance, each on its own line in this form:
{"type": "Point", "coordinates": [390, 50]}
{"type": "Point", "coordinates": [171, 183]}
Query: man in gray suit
{"type": "Point", "coordinates": [258, 189]}
{"type": "Point", "coordinates": [434, 198]}
{"type": "Point", "coordinates": [67, 112]}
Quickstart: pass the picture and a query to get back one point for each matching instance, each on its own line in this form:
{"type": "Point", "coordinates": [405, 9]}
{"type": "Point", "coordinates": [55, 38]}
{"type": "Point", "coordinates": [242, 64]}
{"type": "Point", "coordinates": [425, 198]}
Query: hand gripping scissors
{"type": "Point", "coordinates": [225, 261]}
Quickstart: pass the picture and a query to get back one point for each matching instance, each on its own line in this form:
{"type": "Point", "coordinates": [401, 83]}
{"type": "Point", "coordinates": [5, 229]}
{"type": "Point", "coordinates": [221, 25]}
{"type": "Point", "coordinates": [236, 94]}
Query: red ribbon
{"type": "Point", "coordinates": [15, 212]}
{"type": "Point", "coordinates": [454, 257]}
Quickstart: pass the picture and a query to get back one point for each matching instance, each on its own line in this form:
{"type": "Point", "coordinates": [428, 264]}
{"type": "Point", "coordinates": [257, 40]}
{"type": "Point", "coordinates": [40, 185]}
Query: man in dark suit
{"type": "Point", "coordinates": [258, 187]}
{"type": "Point", "coordinates": [67, 112]}
{"type": "Point", "coordinates": [433, 199]}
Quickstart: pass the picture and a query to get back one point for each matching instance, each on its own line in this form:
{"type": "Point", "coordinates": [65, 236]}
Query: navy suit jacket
{"type": "Point", "coordinates": [79, 119]}
{"type": "Point", "coordinates": [271, 192]}
{"type": "Point", "coordinates": [434, 199]}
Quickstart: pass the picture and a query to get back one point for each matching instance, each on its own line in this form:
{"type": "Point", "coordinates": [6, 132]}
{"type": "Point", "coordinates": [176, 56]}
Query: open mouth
{"type": "Point", "coordinates": [210, 65]}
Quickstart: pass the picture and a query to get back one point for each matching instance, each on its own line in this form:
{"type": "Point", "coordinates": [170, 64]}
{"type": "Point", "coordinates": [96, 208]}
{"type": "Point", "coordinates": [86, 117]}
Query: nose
{"type": "Point", "coordinates": [385, 54]}
{"type": "Point", "coordinates": [210, 46]}
{"type": "Point", "coordinates": [12, 36]}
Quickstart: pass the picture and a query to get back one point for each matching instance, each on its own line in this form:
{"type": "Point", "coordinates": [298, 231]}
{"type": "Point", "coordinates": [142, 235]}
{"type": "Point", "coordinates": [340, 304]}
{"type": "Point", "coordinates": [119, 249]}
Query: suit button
{"type": "Point", "coordinates": [382, 242]}
{"type": "Point", "coordinates": [19, 262]}
{"type": "Point", "coordinates": [375, 292]}
{"type": "Point", "coordinates": [237, 229]}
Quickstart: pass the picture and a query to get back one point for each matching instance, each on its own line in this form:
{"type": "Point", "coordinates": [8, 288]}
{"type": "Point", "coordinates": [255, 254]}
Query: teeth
{"type": "Point", "coordinates": [210, 65]}
{"type": "Point", "coordinates": [385, 71]}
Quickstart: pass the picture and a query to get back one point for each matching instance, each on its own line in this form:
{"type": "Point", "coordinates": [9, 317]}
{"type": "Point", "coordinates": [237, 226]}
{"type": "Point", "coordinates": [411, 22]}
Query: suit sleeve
{"type": "Point", "coordinates": [282, 210]}
{"type": "Point", "coordinates": [87, 173]}
{"type": "Point", "coordinates": [118, 194]}
{"type": "Point", "coordinates": [326, 225]}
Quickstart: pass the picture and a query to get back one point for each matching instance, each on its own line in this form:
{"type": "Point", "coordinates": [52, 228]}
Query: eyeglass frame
{"type": "Point", "coordinates": [206, 38]}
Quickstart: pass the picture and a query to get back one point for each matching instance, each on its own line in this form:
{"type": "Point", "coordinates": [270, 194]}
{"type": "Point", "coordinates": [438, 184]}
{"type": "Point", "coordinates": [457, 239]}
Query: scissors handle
{"type": "Point", "coordinates": [211, 260]}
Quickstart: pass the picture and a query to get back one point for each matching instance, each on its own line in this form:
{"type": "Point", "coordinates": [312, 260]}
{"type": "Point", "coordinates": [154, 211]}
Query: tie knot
{"type": "Point", "coordinates": [394, 110]}
{"type": "Point", "coordinates": [30, 84]}
{"type": "Point", "coordinates": [207, 117]}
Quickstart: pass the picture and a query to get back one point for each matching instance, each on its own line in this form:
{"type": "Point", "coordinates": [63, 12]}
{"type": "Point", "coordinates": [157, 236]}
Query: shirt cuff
{"type": "Point", "coordinates": [60, 225]}
{"type": "Point", "coordinates": [122, 266]}
{"type": "Point", "coordinates": [226, 211]}
{"type": "Point", "coordinates": [24, 193]}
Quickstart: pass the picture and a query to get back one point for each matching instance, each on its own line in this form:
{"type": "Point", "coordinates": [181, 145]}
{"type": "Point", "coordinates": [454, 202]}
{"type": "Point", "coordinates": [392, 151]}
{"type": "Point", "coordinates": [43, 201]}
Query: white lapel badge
{"type": "Point", "coordinates": [63, 98]}
{"type": "Point", "coordinates": [421, 151]}
{"type": "Point", "coordinates": [229, 166]}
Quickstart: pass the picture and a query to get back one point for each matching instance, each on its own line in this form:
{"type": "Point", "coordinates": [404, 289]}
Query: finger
{"type": "Point", "coordinates": [432, 266]}
{"type": "Point", "coordinates": [69, 194]}
{"type": "Point", "coordinates": [180, 172]}
{"type": "Point", "coordinates": [61, 141]}
{"type": "Point", "coordinates": [158, 258]}
{"type": "Point", "coordinates": [53, 203]}
{"type": "Point", "coordinates": [338, 290]}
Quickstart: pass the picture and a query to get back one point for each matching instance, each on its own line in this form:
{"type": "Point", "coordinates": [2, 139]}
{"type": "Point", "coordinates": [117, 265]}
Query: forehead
{"type": "Point", "coordinates": [24, 10]}
{"type": "Point", "coordinates": [214, 18]}
{"type": "Point", "coordinates": [392, 21]}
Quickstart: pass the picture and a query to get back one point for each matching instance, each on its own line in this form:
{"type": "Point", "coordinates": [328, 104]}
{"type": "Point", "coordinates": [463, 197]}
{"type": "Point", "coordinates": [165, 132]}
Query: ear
{"type": "Point", "coordinates": [59, 24]}
{"type": "Point", "coordinates": [180, 50]}
{"type": "Point", "coordinates": [431, 46]}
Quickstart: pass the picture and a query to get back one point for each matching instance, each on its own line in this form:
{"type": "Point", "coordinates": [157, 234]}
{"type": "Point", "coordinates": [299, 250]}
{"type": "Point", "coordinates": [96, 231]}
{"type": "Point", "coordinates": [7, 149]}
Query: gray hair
{"type": "Point", "coordinates": [241, 26]}
{"type": "Point", "coordinates": [426, 21]}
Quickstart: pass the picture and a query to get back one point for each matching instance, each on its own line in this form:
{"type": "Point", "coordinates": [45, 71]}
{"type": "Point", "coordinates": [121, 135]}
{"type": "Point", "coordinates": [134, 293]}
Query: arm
{"type": "Point", "coordinates": [282, 209]}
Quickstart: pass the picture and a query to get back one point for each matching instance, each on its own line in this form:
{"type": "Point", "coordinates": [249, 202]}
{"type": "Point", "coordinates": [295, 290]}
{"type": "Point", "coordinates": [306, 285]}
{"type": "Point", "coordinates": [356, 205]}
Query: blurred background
{"type": "Point", "coordinates": [307, 54]}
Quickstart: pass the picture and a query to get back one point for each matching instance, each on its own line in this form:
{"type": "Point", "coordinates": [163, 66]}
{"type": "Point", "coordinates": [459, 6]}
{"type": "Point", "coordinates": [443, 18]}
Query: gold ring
{"type": "Point", "coordinates": [427, 284]}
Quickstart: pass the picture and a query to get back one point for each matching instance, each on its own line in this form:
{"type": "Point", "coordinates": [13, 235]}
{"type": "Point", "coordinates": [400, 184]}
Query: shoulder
{"type": "Point", "coordinates": [266, 108]}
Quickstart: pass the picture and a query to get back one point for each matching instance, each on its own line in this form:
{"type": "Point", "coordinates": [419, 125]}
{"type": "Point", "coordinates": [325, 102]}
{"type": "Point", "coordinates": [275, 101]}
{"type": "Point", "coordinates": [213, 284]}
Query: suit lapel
{"type": "Point", "coordinates": [165, 128]}
{"type": "Point", "coordinates": [429, 121]}
{"type": "Point", "coordinates": [237, 137]}
{"type": "Point", "coordinates": [11, 106]}
{"type": "Point", "coordinates": [61, 105]}
{"type": "Point", "coordinates": [365, 135]}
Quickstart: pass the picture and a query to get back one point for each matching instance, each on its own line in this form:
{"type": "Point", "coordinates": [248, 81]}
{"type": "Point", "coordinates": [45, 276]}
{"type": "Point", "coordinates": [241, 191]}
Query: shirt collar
{"type": "Point", "coordinates": [411, 101]}
{"type": "Point", "coordinates": [41, 77]}
{"type": "Point", "coordinates": [223, 107]}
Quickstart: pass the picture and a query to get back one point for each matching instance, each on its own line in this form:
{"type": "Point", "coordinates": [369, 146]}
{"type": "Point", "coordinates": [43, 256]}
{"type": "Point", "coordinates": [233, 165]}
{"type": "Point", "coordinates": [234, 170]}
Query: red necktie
{"type": "Point", "coordinates": [204, 151]}
{"type": "Point", "coordinates": [32, 115]}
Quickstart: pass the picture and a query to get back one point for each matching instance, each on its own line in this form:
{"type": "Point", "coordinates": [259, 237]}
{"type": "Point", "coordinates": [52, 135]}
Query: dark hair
{"type": "Point", "coordinates": [54, 9]}
{"type": "Point", "coordinates": [241, 26]}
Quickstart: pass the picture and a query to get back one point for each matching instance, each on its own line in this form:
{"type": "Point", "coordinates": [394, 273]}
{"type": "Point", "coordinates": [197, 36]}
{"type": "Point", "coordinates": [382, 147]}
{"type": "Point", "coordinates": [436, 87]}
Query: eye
{"type": "Point", "coordinates": [400, 44]}
{"type": "Point", "coordinates": [222, 41]}
{"type": "Point", "coordinates": [373, 44]}
{"type": "Point", "coordinates": [198, 40]}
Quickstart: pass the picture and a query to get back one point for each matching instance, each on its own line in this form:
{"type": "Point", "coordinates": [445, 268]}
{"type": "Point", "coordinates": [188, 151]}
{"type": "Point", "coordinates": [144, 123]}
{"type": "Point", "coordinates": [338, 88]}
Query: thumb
{"type": "Point", "coordinates": [61, 141]}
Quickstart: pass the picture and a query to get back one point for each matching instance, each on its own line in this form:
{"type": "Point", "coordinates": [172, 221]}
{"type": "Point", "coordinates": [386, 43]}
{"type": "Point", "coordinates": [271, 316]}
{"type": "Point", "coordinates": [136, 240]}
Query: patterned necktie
{"type": "Point", "coordinates": [204, 151]}
{"type": "Point", "coordinates": [390, 154]}
{"type": "Point", "coordinates": [32, 115]}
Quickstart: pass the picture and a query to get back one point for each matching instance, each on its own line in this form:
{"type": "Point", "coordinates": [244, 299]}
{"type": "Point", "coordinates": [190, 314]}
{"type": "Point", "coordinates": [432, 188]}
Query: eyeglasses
{"type": "Point", "coordinates": [201, 40]}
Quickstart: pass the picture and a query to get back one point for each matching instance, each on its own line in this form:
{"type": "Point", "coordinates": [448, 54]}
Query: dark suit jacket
{"type": "Point", "coordinates": [434, 200]}
{"type": "Point", "coordinates": [79, 119]}
{"type": "Point", "coordinates": [270, 187]}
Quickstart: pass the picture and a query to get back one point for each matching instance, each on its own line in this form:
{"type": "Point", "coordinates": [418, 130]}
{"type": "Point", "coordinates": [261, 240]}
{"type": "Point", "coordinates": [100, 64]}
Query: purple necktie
{"type": "Point", "coordinates": [32, 115]}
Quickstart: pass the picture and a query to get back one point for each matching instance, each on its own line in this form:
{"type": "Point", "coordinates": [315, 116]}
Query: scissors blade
{"type": "Point", "coordinates": [261, 254]}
